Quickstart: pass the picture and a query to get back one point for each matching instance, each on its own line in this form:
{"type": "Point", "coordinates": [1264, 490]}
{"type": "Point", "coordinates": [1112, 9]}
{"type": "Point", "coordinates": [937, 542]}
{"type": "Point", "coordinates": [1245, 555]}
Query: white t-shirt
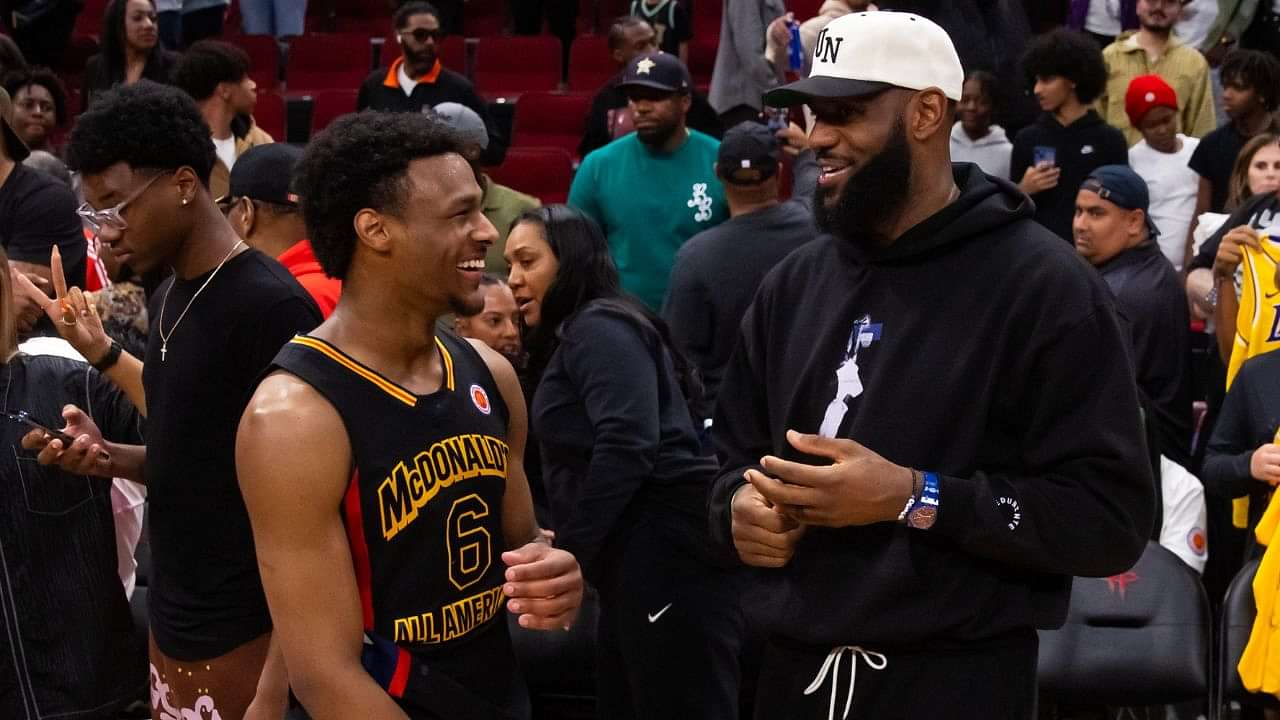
{"type": "Point", "coordinates": [1183, 531]}
{"type": "Point", "coordinates": [407, 84]}
{"type": "Point", "coordinates": [1197, 19]}
{"type": "Point", "coordinates": [1103, 17]}
{"type": "Point", "coordinates": [1173, 187]}
{"type": "Point", "coordinates": [226, 150]}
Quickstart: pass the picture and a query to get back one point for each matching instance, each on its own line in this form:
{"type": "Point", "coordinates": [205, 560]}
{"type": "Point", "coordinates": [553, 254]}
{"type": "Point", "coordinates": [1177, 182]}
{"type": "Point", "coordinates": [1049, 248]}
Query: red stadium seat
{"type": "Point", "coordinates": [328, 105]}
{"type": "Point", "coordinates": [702, 60]}
{"type": "Point", "coordinates": [551, 120]}
{"type": "Point", "coordinates": [590, 63]}
{"type": "Point", "coordinates": [269, 114]}
{"type": "Point", "coordinates": [544, 173]}
{"type": "Point", "coordinates": [508, 66]}
{"type": "Point", "coordinates": [89, 21]}
{"type": "Point", "coordinates": [264, 58]}
{"type": "Point", "coordinates": [77, 54]}
{"type": "Point", "coordinates": [328, 62]}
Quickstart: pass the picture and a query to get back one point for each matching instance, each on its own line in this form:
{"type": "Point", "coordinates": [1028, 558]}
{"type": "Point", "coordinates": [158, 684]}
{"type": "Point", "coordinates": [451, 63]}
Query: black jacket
{"type": "Point", "coordinates": [1249, 419]}
{"type": "Point", "coordinates": [1152, 302]}
{"type": "Point", "coordinates": [1080, 148]}
{"type": "Point", "coordinates": [159, 68]}
{"type": "Point", "coordinates": [377, 94]}
{"type": "Point", "coordinates": [618, 446]}
{"type": "Point", "coordinates": [988, 352]}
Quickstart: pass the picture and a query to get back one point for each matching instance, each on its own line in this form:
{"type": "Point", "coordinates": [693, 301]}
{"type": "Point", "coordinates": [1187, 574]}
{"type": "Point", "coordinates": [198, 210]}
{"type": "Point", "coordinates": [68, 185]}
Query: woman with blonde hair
{"type": "Point", "coordinates": [1254, 204]}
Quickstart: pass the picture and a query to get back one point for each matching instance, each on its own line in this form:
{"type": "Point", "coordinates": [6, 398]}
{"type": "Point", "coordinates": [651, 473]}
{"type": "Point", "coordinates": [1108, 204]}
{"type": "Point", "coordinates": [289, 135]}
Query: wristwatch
{"type": "Point", "coordinates": [924, 512]}
{"type": "Point", "coordinates": [110, 359]}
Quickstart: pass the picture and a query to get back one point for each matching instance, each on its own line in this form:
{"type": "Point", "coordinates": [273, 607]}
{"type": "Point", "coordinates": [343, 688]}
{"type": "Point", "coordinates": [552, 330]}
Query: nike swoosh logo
{"type": "Point", "coordinates": [654, 617]}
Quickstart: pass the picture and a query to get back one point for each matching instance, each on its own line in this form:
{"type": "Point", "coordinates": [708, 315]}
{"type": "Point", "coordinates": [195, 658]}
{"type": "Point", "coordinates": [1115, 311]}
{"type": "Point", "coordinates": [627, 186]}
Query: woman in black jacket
{"type": "Point", "coordinates": [130, 49]}
{"type": "Point", "coordinates": [626, 480]}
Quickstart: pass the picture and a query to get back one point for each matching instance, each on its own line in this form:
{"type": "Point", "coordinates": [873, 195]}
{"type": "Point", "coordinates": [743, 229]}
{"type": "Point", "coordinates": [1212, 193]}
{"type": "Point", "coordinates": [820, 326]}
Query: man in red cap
{"type": "Point", "coordinates": [1154, 50]}
{"type": "Point", "coordinates": [1161, 158]}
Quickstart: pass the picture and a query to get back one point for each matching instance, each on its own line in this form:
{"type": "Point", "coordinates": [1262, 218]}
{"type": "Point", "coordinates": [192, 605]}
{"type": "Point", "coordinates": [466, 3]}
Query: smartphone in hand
{"type": "Point", "coordinates": [22, 417]}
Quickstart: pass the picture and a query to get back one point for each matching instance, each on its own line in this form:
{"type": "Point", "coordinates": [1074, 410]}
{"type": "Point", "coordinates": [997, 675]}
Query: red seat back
{"type": "Point", "coordinates": [329, 105]}
{"type": "Point", "coordinates": [89, 21]}
{"type": "Point", "coordinates": [551, 120]}
{"type": "Point", "coordinates": [269, 114]}
{"type": "Point", "coordinates": [590, 63]}
{"type": "Point", "coordinates": [506, 67]}
{"type": "Point", "coordinates": [264, 58]}
{"type": "Point", "coordinates": [328, 62]}
{"type": "Point", "coordinates": [544, 173]}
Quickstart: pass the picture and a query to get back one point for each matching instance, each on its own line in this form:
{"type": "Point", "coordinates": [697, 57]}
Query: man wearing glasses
{"type": "Point", "coordinates": [417, 79]}
{"type": "Point", "coordinates": [144, 155]}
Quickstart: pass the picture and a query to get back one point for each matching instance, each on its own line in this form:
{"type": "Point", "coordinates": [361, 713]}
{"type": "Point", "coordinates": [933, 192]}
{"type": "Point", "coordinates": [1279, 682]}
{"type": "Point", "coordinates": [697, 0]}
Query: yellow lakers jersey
{"type": "Point", "coordinates": [1258, 323]}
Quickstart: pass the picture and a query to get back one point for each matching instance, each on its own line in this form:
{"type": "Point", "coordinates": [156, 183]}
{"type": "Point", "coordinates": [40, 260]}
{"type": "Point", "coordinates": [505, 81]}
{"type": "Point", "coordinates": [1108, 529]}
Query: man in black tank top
{"type": "Point", "coordinates": [381, 459]}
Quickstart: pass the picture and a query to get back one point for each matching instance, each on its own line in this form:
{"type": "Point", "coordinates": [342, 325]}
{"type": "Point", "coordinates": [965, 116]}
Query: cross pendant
{"type": "Point", "coordinates": [164, 350]}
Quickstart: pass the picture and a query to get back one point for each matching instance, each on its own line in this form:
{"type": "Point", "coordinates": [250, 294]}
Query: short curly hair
{"type": "Point", "coordinates": [1257, 70]}
{"type": "Point", "coordinates": [1069, 54]}
{"type": "Point", "coordinates": [16, 80]}
{"type": "Point", "coordinates": [144, 125]}
{"type": "Point", "coordinates": [207, 64]}
{"type": "Point", "coordinates": [360, 161]}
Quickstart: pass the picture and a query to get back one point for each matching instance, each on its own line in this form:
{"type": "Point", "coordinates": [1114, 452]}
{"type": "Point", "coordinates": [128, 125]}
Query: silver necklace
{"type": "Point", "coordinates": [164, 339]}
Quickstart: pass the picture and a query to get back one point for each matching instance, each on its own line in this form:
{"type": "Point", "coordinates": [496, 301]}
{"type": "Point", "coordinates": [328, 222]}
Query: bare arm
{"type": "Point", "coordinates": [1224, 316]}
{"type": "Point", "coordinates": [519, 526]}
{"type": "Point", "coordinates": [77, 321]}
{"type": "Point", "coordinates": [544, 585]}
{"type": "Point", "coordinates": [290, 437]}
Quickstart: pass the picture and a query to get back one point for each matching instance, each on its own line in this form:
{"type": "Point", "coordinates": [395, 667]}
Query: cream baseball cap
{"type": "Point", "coordinates": [866, 52]}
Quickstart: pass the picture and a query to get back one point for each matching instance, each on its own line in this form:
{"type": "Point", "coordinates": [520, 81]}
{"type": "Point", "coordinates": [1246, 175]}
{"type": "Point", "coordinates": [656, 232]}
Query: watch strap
{"type": "Point", "coordinates": [110, 359]}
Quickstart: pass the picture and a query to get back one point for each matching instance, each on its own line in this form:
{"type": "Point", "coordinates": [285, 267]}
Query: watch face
{"type": "Point", "coordinates": [923, 517]}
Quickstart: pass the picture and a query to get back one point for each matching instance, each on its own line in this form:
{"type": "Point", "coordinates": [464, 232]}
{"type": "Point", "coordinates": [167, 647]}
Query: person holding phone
{"type": "Point", "coordinates": [67, 614]}
{"type": "Point", "coordinates": [1070, 140]}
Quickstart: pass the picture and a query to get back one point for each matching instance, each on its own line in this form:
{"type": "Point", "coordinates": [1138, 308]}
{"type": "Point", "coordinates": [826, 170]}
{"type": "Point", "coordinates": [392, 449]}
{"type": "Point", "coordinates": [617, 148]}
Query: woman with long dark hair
{"type": "Point", "coordinates": [130, 49]}
{"type": "Point", "coordinates": [624, 473]}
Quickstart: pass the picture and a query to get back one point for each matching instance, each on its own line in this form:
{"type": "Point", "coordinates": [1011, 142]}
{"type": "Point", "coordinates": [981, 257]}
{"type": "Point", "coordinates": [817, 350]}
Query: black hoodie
{"type": "Point", "coordinates": [989, 353]}
{"type": "Point", "coordinates": [1079, 149]}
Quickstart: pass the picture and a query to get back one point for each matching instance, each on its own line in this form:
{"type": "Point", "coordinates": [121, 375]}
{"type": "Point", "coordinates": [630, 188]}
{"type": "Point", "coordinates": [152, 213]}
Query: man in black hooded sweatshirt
{"type": "Point", "coordinates": [982, 434]}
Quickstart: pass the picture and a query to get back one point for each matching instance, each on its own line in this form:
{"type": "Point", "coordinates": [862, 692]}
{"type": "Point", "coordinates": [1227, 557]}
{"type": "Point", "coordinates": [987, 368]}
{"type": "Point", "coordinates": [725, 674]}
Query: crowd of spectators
{"type": "Point", "coordinates": [1144, 134]}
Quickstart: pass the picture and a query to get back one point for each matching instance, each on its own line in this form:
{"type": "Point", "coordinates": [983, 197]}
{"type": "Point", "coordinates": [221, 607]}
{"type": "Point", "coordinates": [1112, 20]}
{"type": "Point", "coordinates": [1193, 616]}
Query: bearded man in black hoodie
{"type": "Point", "coordinates": [980, 436]}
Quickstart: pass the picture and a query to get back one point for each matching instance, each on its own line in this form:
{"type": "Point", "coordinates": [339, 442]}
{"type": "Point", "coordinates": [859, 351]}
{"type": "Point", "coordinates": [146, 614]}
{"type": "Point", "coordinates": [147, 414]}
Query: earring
{"type": "Point", "coordinates": [185, 200]}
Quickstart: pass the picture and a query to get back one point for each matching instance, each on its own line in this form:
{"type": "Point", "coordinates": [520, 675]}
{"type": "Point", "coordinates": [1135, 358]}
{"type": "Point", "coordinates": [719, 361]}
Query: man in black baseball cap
{"type": "Point", "coordinates": [900, 426]}
{"type": "Point", "coordinates": [264, 209]}
{"type": "Point", "coordinates": [1114, 232]}
{"type": "Point", "coordinates": [718, 271]}
{"type": "Point", "coordinates": [657, 86]}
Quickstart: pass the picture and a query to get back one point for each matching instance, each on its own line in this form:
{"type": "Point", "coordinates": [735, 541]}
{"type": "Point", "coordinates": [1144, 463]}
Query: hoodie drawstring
{"type": "Point", "coordinates": [831, 666]}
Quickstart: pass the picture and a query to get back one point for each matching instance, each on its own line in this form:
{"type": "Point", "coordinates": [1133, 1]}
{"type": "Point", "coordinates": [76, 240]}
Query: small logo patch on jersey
{"type": "Point", "coordinates": [1197, 542]}
{"type": "Point", "coordinates": [481, 399]}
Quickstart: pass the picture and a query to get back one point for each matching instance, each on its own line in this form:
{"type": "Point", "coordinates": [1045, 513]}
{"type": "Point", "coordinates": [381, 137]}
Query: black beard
{"type": "Point", "coordinates": [658, 136]}
{"type": "Point", "coordinates": [872, 196]}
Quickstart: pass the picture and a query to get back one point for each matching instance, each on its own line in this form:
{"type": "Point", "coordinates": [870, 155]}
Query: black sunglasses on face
{"type": "Point", "coordinates": [421, 35]}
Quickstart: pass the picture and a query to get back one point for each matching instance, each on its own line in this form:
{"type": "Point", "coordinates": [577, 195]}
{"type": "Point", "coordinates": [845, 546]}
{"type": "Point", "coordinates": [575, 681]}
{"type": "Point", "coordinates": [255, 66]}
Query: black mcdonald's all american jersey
{"type": "Point", "coordinates": [423, 511]}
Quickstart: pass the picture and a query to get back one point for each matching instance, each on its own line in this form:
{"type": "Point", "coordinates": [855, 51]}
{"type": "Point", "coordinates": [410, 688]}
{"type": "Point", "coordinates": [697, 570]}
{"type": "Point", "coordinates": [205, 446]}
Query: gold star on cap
{"type": "Point", "coordinates": [644, 66]}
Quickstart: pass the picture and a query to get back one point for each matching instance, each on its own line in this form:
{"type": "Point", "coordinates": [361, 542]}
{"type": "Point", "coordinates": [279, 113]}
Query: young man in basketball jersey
{"type": "Point", "coordinates": [381, 461]}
